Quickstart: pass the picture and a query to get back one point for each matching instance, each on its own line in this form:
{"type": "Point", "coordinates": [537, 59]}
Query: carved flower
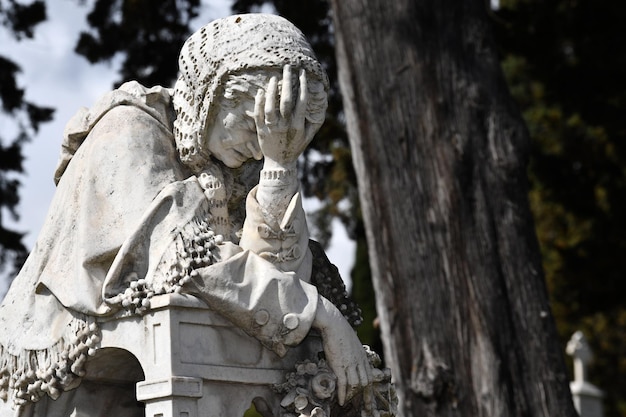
{"type": "Point", "coordinates": [300, 402]}
{"type": "Point", "coordinates": [310, 368]}
{"type": "Point", "coordinates": [310, 392]}
{"type": "Point", "coordinates": [323, 385]}
{"type": "Point", "coordinates": [318, 412]}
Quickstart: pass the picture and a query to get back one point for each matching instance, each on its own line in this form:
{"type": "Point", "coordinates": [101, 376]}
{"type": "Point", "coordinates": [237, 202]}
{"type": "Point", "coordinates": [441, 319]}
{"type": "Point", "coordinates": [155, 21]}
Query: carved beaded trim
{"type": "Point", "coordinates": [277, 175]}
{"type": "Point", "coordinates": [36, 373]}
{"type": "Point", "coordinates": [193, 248]}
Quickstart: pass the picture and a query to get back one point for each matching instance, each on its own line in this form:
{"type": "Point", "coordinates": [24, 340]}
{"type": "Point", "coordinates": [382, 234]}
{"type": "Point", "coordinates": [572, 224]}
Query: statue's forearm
{"type": "Point", "coordinates": [277, 186]}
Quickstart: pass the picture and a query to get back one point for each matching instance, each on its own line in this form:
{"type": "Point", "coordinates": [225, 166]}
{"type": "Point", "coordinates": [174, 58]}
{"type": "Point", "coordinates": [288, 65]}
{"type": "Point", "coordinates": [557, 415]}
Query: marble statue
{"type": "Point", "coordinates": [191, 190]}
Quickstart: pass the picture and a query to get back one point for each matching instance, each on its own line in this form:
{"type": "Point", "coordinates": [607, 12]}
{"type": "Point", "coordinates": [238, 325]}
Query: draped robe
{"type": "Point", "coordinates": [123, 199]}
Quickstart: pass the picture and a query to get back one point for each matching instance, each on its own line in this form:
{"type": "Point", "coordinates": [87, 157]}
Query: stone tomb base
{"type": "Point", "coordinates": [193, 362]}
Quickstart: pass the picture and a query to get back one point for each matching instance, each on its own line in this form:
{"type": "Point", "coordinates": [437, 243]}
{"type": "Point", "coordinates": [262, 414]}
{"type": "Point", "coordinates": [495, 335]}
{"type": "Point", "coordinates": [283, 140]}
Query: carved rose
{"type": "Point", "coordinates": [323, 385]}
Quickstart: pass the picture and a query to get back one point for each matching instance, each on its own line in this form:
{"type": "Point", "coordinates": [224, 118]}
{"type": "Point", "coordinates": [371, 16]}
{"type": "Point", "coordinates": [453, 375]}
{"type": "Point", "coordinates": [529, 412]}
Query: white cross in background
{"type": "Point", "coordinates": [579, 350]}
{"type": "Point", "coordinates": [587, 398]}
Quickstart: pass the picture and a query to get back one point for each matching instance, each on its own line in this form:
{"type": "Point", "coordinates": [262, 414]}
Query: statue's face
{"type": "Point", "coordinates": [232, 138]}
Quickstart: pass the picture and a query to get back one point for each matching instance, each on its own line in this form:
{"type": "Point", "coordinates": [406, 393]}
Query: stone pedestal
{"type": "Point", "coordinates": [193, 359]}
{"type": "Point", "coordinates": [174, 397]}
{"type": "Point", "coordinates": [587, 399]}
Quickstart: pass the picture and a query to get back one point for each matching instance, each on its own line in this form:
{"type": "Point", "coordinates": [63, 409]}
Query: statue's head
{"type": "Point", "coordinates": [225, 63]}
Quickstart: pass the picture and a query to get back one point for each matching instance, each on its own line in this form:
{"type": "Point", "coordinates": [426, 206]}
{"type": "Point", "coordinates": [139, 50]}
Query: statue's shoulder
{"type": "Point", "coordinates": [155, 102]}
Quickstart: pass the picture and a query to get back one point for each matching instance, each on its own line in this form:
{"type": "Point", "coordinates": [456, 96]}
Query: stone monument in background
{"type": "Point", "coordinates": [587, 397]}
{"type": "Point", "coordinates": [174, 275]}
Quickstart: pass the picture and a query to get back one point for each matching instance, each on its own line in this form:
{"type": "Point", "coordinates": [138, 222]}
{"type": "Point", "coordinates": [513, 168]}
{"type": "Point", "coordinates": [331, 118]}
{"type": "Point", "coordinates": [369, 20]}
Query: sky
{"type": "Point", "coordinates": [54, 76]}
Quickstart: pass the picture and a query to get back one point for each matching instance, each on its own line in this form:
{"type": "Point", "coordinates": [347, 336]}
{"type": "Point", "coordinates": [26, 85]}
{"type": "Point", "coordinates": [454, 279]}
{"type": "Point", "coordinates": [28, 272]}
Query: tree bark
{"type": "Point", "coordinates": [440, 152]}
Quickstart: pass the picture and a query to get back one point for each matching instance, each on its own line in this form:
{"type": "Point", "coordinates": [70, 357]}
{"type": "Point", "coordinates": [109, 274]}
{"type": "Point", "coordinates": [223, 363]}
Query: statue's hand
{"type": "Point", "coordinates": [344, 352]}
{"type": "Point", "coordinates": [283, 132]}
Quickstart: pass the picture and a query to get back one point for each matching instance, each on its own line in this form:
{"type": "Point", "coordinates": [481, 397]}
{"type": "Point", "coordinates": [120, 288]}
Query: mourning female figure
{"type": "Point", "coordinates": [159, 191]}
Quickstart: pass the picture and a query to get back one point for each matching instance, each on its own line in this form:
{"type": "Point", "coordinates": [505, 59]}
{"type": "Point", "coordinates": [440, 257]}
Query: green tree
{"type": "Point", "coordinates": [148, 34]}
{"type": "Point", "coordinates": [566, 65]}
{"type": "Point", "coordinates": [20, 122]}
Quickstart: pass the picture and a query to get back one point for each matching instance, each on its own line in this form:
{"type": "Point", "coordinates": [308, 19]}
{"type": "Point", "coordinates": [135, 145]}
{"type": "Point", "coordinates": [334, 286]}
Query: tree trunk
{"type": "Point", "coordinates": [440, 152]}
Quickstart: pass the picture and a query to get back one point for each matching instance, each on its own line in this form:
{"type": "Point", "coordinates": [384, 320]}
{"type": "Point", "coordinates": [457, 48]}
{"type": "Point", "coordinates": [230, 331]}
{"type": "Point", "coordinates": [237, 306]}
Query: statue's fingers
{"type": "Point", "coordinates": [365, 375]}
{"type": "Point", "coordinates": [341, 387]}
{"type": "Point", "coordinates": [259, 113]}
{"type": "Point", "coordinates": [299, 113]}
{"type": "Point", "coordinates": [353, 381]}
{"type": "Point", "coordinates": [270, 101]}
{"type": "Point", "coordinates": [286, 99]}
{"type": "Point", "coordinates": [368, 398]}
